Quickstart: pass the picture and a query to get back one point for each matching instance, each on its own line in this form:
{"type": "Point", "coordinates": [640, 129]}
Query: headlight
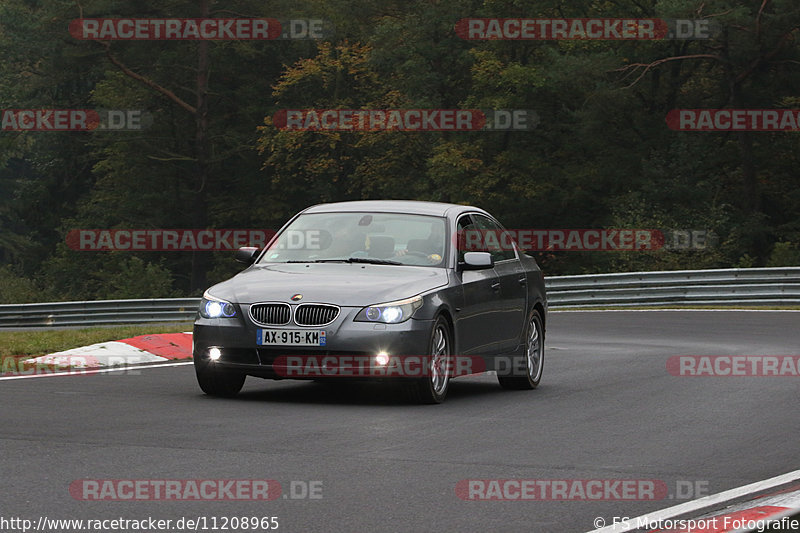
{"type": "Point", "coordinates": [212, 308]}
{"type": "Point", "coordinates": [391, 312]}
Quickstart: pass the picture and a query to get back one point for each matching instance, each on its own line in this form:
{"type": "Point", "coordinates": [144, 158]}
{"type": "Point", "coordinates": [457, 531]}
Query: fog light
{"type": "Point", "coordinates": [214, 353]}
{"type": "Point", "coordinates": [382, 359]}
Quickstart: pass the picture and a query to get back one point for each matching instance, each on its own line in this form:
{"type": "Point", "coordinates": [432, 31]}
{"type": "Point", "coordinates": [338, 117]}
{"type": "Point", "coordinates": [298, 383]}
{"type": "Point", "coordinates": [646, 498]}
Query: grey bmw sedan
{"type": "Point", "coordinates": [413, 293]}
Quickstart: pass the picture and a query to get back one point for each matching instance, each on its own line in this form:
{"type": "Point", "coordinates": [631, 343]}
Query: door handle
{"type": "Point", "coordinates": [496, 286]}
{"type": "Point", "coordinates": [523, 280]}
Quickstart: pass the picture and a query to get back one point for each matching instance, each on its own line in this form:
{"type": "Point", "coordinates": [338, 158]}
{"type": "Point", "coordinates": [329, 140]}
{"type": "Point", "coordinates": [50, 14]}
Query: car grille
{"type": "Point", "coordinates": [315, 314]}
{"type": "Point", "coordinates": [270, 314]}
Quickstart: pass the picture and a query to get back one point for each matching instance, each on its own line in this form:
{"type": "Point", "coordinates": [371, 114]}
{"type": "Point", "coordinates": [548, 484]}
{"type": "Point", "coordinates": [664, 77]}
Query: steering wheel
{"type": "Point", "coordinates": [416, 253]}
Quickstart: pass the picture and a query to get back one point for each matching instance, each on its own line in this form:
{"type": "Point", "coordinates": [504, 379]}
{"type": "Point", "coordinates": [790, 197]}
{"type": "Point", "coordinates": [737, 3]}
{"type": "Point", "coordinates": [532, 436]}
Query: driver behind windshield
{"type": "Point", "coordinates": [431, 248]}
{"type": "Point", "coordinates": [346, 241]}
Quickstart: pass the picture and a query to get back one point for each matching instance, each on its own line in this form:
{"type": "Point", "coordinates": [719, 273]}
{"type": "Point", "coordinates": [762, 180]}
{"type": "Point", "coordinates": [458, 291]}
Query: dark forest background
{"type": "Point", "coordinates": [601, 157]}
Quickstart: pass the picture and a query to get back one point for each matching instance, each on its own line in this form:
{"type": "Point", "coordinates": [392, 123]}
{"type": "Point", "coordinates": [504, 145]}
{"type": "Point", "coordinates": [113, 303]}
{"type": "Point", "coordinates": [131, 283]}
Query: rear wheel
{"type": "Point", "coordinates": [531, 375]}
{"type": "Point", "coordinates": [218, 382]}
{"type": "Point", "coordinates": [433, 387]}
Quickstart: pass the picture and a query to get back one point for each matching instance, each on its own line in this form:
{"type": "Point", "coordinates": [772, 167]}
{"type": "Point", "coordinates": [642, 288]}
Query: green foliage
{"type": "Point", "coordinates": [746, 261]}
{"type": "Point", "coordinates": [133, 278]}
{"type": "Point", "coordinates": [15, 289]}
{"type": "Point", "coordinates": [784, 254]}
{"type": "Point", "coordinates": [601, 155]}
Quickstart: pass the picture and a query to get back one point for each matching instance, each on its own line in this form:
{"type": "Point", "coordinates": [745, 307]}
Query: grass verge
{"type": "Point", "coordinates": [26, 344]}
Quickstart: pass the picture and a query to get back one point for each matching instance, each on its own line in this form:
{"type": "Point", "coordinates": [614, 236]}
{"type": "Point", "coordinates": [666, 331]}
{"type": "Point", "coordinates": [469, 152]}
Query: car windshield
{"type": "Point", "coordinates": [380, 238]}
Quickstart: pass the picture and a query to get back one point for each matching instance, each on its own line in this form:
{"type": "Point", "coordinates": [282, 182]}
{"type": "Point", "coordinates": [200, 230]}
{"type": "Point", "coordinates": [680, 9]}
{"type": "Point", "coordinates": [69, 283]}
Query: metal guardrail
{"type": "Point", "coordinates": [774, 287]}
{"type": "Point", "coordinates": [722, 288]}
{"type": "Point", "coordinates": [98, 312]}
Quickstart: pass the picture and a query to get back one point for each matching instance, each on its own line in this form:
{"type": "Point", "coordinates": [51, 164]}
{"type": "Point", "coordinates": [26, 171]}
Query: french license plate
{"type": "Point", "coordinates": [291, 337]}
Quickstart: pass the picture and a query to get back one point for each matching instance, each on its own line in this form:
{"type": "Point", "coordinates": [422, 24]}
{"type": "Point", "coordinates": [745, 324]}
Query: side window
{"type": "Point", "coordinates": [496, 240]}
{"type": "Point", "coordinates": [465, 231]}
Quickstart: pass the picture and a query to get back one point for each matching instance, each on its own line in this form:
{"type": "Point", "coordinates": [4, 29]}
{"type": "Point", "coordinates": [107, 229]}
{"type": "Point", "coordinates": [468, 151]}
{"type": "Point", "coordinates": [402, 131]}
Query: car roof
{"type": "Point", "coordinates": [394, 206]}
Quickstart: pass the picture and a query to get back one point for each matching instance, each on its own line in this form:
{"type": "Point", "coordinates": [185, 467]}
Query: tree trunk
{"type": "Point", "coordinates": [200, 259]}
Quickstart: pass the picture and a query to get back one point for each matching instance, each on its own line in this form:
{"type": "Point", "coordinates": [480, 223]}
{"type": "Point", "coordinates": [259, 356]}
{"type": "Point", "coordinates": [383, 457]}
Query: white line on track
{"type": "Point", "coordinates": [90, 371]}
{"type": "Point", "coordinates": [701, 503]}
{"type": "Point", "coordinates": [557, 310]}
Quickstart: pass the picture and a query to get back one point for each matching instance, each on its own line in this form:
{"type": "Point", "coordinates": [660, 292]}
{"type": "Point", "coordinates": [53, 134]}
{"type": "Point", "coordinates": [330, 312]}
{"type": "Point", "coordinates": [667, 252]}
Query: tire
{"type": "Point", "coordinates": [218, 382]}
{"type": "Point", "coordinates": [432, 388]}
{"type": "Point", "coordinates": [534, 358]}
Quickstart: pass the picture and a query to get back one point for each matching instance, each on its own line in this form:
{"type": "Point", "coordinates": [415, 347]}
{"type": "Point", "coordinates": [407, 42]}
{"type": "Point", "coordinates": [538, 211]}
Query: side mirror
{"type": "Point", "coordinates": [477, 260]}
{"type": "Point", "coordinates": [246, 255]}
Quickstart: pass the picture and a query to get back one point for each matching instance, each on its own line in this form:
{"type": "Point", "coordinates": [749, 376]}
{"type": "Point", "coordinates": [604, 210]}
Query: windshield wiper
{"type": "Point", "coordinates": [368, 260]}
{"type": "Point", "coordinates": [317, 261]}
{"type": "Point", "coordinates": [372, 261]}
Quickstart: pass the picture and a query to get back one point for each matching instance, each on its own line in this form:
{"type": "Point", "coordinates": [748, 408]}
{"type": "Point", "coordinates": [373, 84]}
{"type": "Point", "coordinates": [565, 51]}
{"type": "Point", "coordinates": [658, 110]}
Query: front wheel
{"type": "Point", "coordinates": [432, 388]}
{"type": "Point", "coordinates": [218, 382]}
{"type": "Point", "coordinates": [534, 358]}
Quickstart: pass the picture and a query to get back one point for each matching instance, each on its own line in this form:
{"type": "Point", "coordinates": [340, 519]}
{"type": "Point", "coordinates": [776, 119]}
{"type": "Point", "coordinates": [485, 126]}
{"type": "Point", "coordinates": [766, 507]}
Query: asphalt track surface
{"type": "Point", "coordinates": [607, 409]}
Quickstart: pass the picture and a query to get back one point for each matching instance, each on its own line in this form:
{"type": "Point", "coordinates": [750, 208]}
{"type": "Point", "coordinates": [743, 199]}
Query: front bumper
{"type": "Point", "coordinates": [236, 338]}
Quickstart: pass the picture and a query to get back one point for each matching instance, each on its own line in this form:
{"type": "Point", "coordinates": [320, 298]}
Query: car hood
{"type": "Point", "coordinates": [343, 284]}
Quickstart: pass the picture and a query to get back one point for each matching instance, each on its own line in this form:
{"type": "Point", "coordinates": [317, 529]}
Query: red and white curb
{"type": "Point", "coordinates": [136, 350]}
{"type": "Point", "coordinates": [764, 507]}
{"type": "Point", "coordinates": [736, 517]}
{"type": "Point", "coordinates": [148, 350]}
